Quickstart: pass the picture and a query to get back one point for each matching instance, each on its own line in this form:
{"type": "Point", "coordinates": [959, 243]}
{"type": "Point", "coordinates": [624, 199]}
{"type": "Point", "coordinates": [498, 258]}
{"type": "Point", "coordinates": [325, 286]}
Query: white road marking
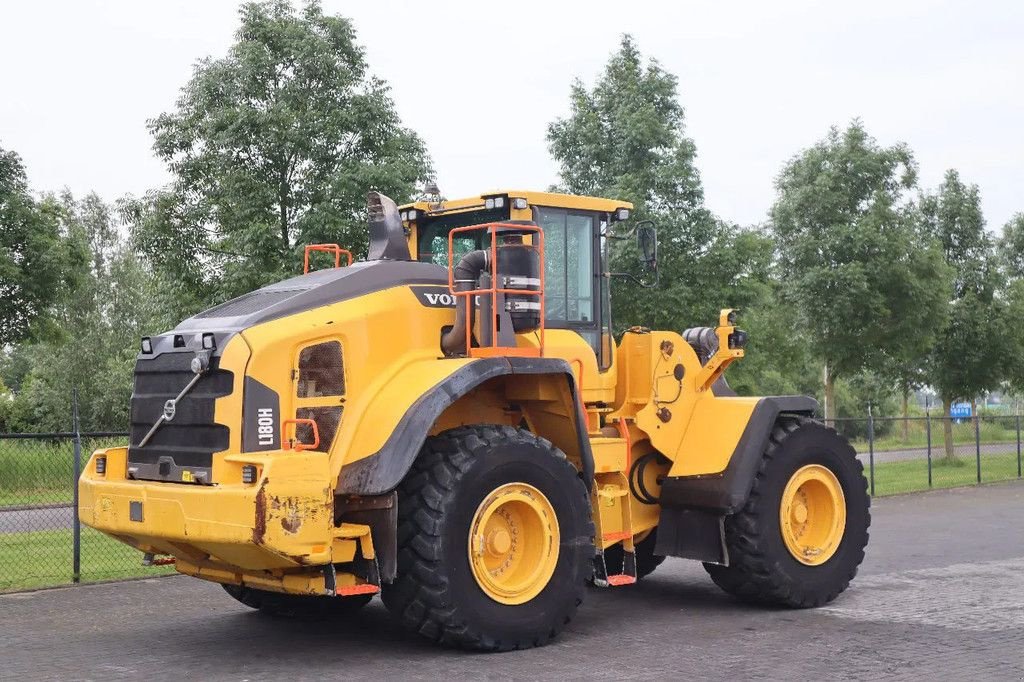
{"type": "Point", "coordinates": [979, 597]}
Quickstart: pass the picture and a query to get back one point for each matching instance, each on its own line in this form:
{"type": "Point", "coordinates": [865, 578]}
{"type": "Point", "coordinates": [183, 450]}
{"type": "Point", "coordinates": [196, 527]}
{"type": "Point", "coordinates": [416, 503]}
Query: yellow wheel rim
{"type": "Point", "coordinates": [812, 515]}
{"type": "Point", "coordinates": [513, 543]}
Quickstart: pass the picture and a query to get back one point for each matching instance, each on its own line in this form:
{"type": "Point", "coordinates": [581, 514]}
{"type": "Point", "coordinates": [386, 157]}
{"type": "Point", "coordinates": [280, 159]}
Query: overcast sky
{"type": "Point", "coordinates": [481, 80]}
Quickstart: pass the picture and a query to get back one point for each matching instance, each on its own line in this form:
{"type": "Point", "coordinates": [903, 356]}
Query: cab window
{"type": "Point", "coordinates": [568, 265]}
{"type": "Point", "coordinates": [433, 234]}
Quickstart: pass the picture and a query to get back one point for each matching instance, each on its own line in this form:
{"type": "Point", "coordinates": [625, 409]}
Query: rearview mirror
{"type": "Point", "coordinates": [647, 244]}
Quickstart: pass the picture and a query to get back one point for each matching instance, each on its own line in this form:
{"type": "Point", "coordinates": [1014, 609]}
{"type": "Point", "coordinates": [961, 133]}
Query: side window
{"type": "Point", "coordinates": [321, 371]}
{"type": "Point", "coordinates": [568, 265]}
{"type": "Point", "coordinates": [579, 239]}
{"type": "Point", "coordinates": [604, 359]}
{"type": "Point", "coordinates": [320, 385]}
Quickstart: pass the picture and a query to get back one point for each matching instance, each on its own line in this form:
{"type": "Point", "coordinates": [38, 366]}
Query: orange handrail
{"type": "Point", "coordinates": [297, 446]}
{"type": "Point", "coordinates": [494, 289]}
{"type": "Point", "coordinates": [327, 248]}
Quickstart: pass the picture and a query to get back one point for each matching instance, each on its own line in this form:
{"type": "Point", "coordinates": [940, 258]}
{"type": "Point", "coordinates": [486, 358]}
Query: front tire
{"type": "Point", "coordinates": [495, 540]}
{"type": "Point", "coordinates": [800, 538]}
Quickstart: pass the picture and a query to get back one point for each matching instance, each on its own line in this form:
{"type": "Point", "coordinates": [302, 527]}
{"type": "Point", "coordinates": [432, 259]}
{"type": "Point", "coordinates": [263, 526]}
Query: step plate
{"type": "Point", "coordinates": [352, 590]}
{"type": "Point", "coordinates": [622, 579]}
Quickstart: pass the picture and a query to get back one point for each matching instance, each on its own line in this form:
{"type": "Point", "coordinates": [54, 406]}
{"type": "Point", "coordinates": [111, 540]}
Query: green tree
{"type": "Point", "coordinates": [969, 355]}
{"type": "Point", "coordinates": [36, 259]}
{"type": "Point", "coordinates": [625, 138]}
{"type": "Point", "coordinates": [863, 278]}
{"type": "Point", "coordinates": [1011, 255]}
{"type": "Point", "coordinates": [272, 147]}
{"type": "Point", "coordinates": [1011, 247]}
{"type": "Point", "coordinates": [100, 320]}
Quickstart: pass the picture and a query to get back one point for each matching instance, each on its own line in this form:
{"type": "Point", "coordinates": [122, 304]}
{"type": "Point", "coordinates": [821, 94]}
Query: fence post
{"type": "Point", "coordinates": [1018, 446]}
{"type": "Point", "coordinates": [928, 432]}
{"type": "Point", "coordinates": [977, 444]}
{"type": "Point", "coordinates": [76, 561]}
{"type": "Point", "coordinates": [871, 448]}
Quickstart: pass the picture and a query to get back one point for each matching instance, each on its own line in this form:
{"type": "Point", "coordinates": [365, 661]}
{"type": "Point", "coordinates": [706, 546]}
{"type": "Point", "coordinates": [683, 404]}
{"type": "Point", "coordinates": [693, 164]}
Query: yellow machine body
{"type": "Point", "coordinates": [275, 517]}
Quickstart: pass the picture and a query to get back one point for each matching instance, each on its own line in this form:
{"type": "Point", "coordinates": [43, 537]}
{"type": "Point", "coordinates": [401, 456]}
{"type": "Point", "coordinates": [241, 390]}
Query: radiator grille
{"type": "Point", "coordinates": [191, 437]}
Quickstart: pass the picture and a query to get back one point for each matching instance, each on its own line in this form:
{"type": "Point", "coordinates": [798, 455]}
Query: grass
{"type": "Point", "coordinates": [44, 559]}
{"type": "Point", "coordinates": [912, 475]}
{"type": "Point", "coordinates": [42, 471]}
{"type": "Point", "coordinates": [991, 431]}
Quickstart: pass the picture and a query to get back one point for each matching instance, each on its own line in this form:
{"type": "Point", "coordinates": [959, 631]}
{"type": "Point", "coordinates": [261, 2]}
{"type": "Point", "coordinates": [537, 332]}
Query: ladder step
{"type": "Point", "coordinates": [617, 536]}
{"type": "Point", "coordinates": [351, 590]}
{"type": "Point", "coordinates": [617, 580]}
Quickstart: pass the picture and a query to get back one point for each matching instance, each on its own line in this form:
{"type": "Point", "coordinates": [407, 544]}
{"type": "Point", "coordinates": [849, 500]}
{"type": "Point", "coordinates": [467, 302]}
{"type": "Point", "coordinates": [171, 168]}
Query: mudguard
{"type": "Point", "coordinates": [726, 492]}
{"type": "Point", "coordinates": [382, 471]}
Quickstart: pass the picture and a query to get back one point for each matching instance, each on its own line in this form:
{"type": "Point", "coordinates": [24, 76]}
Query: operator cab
{"type": "Point", "coordinates": [577, 295]}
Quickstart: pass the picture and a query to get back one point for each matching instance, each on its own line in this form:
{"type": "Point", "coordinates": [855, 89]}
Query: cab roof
{"type": "Point", "coordinates": [552, 199]}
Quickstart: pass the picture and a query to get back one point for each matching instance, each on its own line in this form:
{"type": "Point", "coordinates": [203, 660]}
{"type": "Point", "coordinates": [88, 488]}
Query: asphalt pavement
{"type": "Point", "coordinates": [941, 595]}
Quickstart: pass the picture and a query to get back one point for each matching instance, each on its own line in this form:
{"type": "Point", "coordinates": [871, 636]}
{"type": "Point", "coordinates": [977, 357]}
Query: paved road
{"type": "Point", "coordinates": [24, 520]}
{"type": "Point", "coordinates": [963, 450]}
{"type": "Point", "coordinates": [941, 594]}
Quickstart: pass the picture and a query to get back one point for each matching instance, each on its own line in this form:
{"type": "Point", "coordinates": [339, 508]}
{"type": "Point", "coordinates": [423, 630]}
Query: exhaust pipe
{"type": "Point", "coordinates": [465, 274]}
{"type": "Point", "coordinates": [387, 237]}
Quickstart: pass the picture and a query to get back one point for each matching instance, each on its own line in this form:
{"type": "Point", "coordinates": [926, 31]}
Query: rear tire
{"type": "Point", "coordinates": [283, 605]}
{"type": "Point", "coordinates": [763, 569]}
{"type": "Point", "coordinates": [442, 591]}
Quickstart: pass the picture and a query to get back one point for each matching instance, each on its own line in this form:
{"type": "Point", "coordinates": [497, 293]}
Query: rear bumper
{"type": "Point", "coordinates": [282, 523]}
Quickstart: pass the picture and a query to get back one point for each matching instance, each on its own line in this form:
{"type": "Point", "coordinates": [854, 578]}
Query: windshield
{"type": "Point", "coordinates": [432, 243]}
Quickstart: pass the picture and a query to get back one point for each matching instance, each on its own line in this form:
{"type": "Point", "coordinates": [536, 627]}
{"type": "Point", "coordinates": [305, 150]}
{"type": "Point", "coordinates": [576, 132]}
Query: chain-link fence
{"type": "Point", "coordinates": [919, 453]}
{"type": "Point", "coordinates": [42, 542]}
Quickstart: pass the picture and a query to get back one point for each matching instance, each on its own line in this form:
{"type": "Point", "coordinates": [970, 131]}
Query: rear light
{"type": "Point", "coordinates": [101, 465]}
{"type": "Point", "coordinates": [249, 474]}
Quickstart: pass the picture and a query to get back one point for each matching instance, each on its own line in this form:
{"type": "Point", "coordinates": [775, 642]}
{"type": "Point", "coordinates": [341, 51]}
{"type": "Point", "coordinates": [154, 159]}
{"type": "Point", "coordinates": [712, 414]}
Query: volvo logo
{"type": "Point", "coordinates": [170, 408]}
{"type": "Point", "coordinates": [435, 296]}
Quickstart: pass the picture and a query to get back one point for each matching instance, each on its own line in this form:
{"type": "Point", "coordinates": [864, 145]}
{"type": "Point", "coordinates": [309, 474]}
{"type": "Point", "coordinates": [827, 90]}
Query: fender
{"type": "Point", "coordinates": [382, 471]}
{"type": "Point", "coordinates": [727, 492]}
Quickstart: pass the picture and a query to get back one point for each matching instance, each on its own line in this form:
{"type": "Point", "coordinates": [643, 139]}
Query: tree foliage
{"type": "Point", "coordinates": [861, 274]}
{"type": "Point", "coordinates": [968, 356]}
{"type": "Point", "coordinates": [625, 138]}
{"type": "Point", "coordinates": [37, 260]}
{"type": "Point", "coordinates": [272, 147]}
{"type": "Point", "coordinates": [1011, 247]}
{"type": "Point", "coordinates": [102, 318]}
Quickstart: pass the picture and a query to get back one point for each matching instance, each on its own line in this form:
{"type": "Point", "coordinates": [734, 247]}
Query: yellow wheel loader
{"type": "Point", "coordinates": [452, 423]}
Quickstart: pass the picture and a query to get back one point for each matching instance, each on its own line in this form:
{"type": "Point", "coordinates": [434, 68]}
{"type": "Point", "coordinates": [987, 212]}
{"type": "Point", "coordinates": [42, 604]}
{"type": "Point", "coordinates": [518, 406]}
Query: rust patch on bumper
{"type": "Point", "coordinates": [294, 511]}
{"type": "Point", "coordinates": [291, 523]}
{"type": "Point", "coordinates": [259, 528]}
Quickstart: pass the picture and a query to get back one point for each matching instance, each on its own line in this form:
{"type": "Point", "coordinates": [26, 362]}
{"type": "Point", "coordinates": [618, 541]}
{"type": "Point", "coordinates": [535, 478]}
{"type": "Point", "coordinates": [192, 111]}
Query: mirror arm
{"type": "Point", "coordinates": [637, 280]}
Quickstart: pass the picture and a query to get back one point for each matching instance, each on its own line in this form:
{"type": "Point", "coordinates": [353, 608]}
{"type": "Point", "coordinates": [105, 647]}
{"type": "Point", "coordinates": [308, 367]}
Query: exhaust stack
{"type": "Point", "coordinates": [387, 237]}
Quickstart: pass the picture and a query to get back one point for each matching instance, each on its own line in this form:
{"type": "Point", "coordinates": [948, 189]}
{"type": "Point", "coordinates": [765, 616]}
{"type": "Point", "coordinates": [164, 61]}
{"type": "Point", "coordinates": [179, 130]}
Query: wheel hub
{"type": "Point", "coordinates": [513, 543]}
{"type": "Point", "coordinates": [812, 514]}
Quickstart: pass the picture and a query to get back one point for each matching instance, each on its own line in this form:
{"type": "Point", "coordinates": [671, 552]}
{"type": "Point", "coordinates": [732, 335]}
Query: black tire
{"type": "Point", "coordinates": [646, 559]}
{"type": "Point", "coordinates": [297, 605]}
{"type": "Point", "coordinates": [435, 593]}
{"type": "Point", "coordinates": [762, 570]}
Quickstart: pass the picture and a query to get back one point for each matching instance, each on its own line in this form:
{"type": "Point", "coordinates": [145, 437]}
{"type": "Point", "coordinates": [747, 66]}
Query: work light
{"type": "Point", "coordinates": [147, 345]}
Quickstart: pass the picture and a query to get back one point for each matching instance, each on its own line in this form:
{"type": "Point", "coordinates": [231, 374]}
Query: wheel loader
{"type": "Point", "coordinates": [453, 424]}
